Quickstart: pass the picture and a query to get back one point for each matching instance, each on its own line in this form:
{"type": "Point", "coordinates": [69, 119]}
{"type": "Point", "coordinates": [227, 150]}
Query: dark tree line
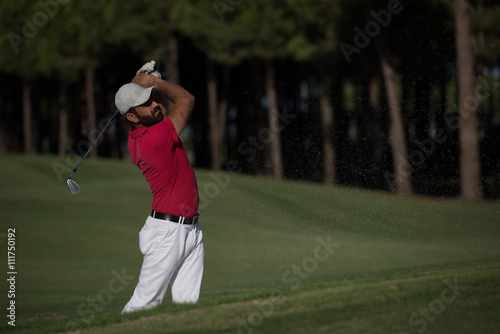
{"type": "Point", "coordinates": [391, 95]}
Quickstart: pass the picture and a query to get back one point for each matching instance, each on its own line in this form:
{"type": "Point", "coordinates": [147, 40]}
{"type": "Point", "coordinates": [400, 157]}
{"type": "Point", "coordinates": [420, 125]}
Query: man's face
{"type": "Point", "coordinates": [149, 113]}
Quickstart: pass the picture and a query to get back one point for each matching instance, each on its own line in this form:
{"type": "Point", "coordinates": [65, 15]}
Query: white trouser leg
{"type": "Point", "coordinates": [186, 282]}
{"type": "Point", "coordinates": [172, 252]}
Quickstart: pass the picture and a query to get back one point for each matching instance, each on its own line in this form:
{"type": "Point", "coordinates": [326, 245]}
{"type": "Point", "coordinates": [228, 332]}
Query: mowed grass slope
{"type": "Point", "coordinates": [280, 257]}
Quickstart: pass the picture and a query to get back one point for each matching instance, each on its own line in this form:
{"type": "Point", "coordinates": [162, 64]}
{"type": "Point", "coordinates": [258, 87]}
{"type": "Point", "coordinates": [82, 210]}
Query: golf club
{"type": "Point", "coordinates": [72, 185]}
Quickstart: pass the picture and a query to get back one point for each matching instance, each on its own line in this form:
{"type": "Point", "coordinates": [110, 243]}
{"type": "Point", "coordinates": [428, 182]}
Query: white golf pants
{"type": "Point", "coordinates": [173, 254]}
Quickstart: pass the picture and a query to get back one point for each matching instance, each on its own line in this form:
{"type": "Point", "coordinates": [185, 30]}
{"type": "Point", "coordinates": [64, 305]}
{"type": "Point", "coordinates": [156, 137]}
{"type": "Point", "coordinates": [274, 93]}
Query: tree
{"type": "Point", "coordinates": [373, 24]}
{"type": "Point", "coordinates": [254, 30]}
{"type": "Point", "coordinates": [315, 42]}
{"type": "Point", "coordinates": [327, 126]}
{"type": "Point", "coordinates": [486, 46]}
{"type": "Point", "coordinates": [217, 39]}
{"type": "Point", "coordinates": [268, 27]}
{"type": "Point", "coordinates": [468, 103]}
{"type": "Point", "coordinates": [258, 29]}
{"type": "Point", "coordinates": [78, 45]}
{"type": "Point", "coordinates": [21, 24]}
{"type": "Point", "coordinates": [172, 49]}
{"type": "Point", "coordinates": [397, 137]}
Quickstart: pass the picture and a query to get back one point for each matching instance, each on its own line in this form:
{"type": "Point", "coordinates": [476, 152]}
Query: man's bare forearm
{"type": "Point", "coordinates": [183, 100]}
{"type": "Point", "coordinates": [174, 92]}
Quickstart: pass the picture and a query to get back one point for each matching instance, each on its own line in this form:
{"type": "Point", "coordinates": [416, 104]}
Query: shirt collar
{"type": "Point", "coordinates": [136, 133]}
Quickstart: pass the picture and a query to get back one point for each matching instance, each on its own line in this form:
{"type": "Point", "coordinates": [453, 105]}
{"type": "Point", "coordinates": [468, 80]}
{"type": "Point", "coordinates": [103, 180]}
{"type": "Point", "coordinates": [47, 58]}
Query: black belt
{"type": "Point", "coordinates": [175, 219]}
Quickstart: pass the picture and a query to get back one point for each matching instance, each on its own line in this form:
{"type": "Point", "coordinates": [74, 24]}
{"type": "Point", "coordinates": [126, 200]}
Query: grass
{"type": "Point", "coordinates": [266, 270]}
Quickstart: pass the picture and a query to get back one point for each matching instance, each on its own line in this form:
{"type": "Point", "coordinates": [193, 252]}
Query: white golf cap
{"type": "Point", "coordinates": [132, 95]}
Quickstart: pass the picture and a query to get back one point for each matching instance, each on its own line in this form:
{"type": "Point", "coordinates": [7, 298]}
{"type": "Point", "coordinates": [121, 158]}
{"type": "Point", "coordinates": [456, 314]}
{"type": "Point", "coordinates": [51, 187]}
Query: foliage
{"type": "Point", "coordinates": [56, 40]}
{"type": "Point", "coordinates": [46, 46]}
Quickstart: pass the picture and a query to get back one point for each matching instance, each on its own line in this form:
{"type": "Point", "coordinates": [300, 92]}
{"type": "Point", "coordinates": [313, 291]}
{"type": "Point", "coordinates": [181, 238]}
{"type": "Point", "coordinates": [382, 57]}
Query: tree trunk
{"type": "Point", "coordinates": [397, 139]}
{"type": "Point", "coordinates": [468, 103]}
{"type": "Point", "coordinates": [212, 115]}
{"type": "Point", "coordinates": [172, 56]}
{"type": "Point", "coordinates": [327, 119]}
{"type": "Point", "coordinates": [257, 163]}
{"type": "Point", "coordinates": [223, 107]}
{"type": "Point", "coordinates": [379, 136]}
{"type": "Point", "coordinates": [27, 120]}
{"type": "Point", "coordinates": [63, 121]}
{"type": "Point", "coordinates": [90, 107]}
{"type": "Point", "coordinates": [217, 113]}
{"type": "Point", "coordinates": [273, 118]}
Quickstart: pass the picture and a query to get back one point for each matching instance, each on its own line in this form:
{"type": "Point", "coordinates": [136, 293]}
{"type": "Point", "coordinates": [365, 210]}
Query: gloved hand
{"type": "Point", "coordinates": [149, 68]}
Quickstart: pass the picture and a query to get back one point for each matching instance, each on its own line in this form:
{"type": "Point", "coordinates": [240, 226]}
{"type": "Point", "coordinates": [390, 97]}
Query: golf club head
{"type": "Point", "coordinates": [73, 186]}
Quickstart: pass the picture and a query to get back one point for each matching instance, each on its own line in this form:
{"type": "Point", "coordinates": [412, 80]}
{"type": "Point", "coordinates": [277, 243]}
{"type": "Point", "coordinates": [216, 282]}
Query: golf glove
{"type": "Point", "coordinates": [149, 68]}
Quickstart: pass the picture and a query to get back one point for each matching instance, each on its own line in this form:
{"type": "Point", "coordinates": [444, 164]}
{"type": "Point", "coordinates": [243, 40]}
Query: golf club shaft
{"type": "Point", "coordinates": [95, 142]}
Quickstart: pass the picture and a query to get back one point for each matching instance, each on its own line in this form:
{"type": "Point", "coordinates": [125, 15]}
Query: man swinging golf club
{"type": "Point", "coordinates": [171, 238]}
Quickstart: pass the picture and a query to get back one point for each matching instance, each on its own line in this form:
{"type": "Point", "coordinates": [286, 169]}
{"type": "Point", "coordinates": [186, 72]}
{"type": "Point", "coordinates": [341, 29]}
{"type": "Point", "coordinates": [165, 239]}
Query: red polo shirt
{"type": "Point", "coordinates": [160, 155]}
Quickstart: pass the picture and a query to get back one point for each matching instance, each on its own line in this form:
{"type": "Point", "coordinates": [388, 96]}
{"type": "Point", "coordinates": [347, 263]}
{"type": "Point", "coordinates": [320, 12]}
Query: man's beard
{"type": "Point", "coordinates": [156, 116]}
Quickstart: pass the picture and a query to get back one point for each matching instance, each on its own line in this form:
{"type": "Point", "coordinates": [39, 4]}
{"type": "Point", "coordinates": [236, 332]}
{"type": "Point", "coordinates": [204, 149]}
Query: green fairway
{"type": "Point", "coordinates": [280, 257]}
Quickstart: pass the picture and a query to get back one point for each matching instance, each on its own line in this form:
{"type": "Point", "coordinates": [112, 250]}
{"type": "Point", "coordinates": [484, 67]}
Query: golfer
{"type": "Point", "coordinates": [171, 238]}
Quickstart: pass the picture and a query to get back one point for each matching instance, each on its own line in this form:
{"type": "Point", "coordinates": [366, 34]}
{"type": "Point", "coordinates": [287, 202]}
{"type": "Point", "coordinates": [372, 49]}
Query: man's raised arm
{"type": "Point", "coordinates": [183, 101]}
